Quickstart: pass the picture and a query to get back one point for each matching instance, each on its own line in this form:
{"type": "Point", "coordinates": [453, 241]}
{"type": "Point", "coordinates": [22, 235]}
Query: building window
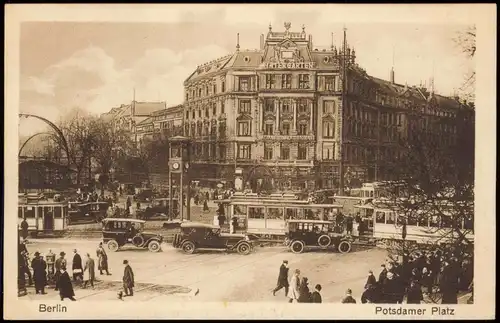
{"type": "Point", "coordinates": [244, 83]}
{"type": "Point", "coordinates": [222, 152]}
{"type": "Point", "coordinates": [268, 152]}
{"type": "Point", "coordinates": [328, 129]}
{"type": "Point", "coordinates": [214, 109]}
{"type": "Point", "coordinates": [328, 107]}
{"type": "Point", "coordinates": [244, 151]}
{"type": "Point", "coordinates": [302, 152]}
{"type": "Point", "coordinates": [194, 114]}
{"type": "Point", "coordinates": [328, 153]}
{"type": "Point", "coordinates": [285, 129]}
{"type": "Point", "coordinates": [302, 106]}
{"type": "Point", "coordinates": [199, 113]}
{"type": "Point", "coordinates": [270, 81]}
{"type": "Point", "coordinates": [269, 105]}
{"type": "Point", "coordinates": [214, 88]}
{"type": "Point", "coordinates": [187, 115]}
{"type": "Point", "coordinates": [223, 86]}
{"type": "Point", "coordinates": [302, 130]}
{"type": "Point", "coordinates": [244, 128]}
{"type": "Point", "coordinates": [207, 113]}
{"type": "Point", "coordinates": [199, 93]}
{"type": "Point", "coordinates": [187, 96]}
{"type": "Point", "coordinates": [268, 129]}
{"type": "Point", "coordinates": [303, 81]}
{"type": "Point", "coordinates": [222, 107]}
{"type": "Point", "coordinates": [330, 83]}
{"type": "Point", "coordinates": [284, 152]}
{"type": "Point", "coordinates": [244, 106]}
{"type": "Point", "coordinates": [286, 107]}
{"type": "Point", "coordinates": [286, 81]}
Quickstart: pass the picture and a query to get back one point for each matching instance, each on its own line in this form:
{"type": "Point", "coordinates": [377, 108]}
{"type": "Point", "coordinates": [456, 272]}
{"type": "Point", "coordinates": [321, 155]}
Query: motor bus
{"type": "Point", "coordinates": [43, 217]}
{"type": "Point", "coordinates": [266, 216]}
{"type": "Point", "coordinates": [385, 224]}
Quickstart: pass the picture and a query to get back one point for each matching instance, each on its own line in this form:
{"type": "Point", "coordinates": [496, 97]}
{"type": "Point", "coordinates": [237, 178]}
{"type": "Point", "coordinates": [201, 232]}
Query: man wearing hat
{"type": "Point", "coordinates": [64, 285]}
{"type": "Point", "coordinates": [282, 278]}
{"type": "Point", "coordinates": [128, 279]}
{"type": "Point", "coordinates": [390, 289]}
{"type": "Point", "coordinates": [383, 275]}
{"type": "Point", "coordinates": [39, 273]}
{"type": "Point", "coordinates": [60, 262]}
{"type": "Point", "coordinates": [348, 299]}
{"type": "Point", "coordinates": [77, 266]}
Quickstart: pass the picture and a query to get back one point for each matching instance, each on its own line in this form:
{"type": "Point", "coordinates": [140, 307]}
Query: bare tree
{"type": "Point", "coordinates": [77, 129]}
{"type": "Point", "coordinates": [436, 184]}
{"type": "Point", "coordinates": [466, 42]}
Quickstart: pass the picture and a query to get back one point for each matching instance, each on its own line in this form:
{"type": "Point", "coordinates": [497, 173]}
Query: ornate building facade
{"type": "Point", "coordinates": [282, 115]}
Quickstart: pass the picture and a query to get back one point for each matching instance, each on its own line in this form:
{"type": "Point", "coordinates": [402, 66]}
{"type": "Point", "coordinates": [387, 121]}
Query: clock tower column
{"type": "Point", "coordinates": [178, 165]}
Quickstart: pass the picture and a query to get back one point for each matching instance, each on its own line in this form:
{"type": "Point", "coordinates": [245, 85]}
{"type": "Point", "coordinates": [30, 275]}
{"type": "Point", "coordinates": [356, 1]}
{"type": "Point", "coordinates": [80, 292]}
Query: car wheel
{"type": "Point", "coordinates": [188, 247]}
{"type": "Point", "coordinates": [324, 241]}
{"type": "Point", "coordinates": [244, 248]}
{"type": "Point", "coordinates": [113, 245]}
{"type": "Point", "coordinates": [297, 246]}
{"type": "Point", "coordinates": [344, 247]}
{"type": "Point", "coordinates": [154, 246]}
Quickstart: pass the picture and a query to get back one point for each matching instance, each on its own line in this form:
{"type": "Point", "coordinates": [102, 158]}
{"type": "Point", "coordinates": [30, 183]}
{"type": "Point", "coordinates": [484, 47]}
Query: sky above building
{"type": "Point", "coordinates": [96, 66]}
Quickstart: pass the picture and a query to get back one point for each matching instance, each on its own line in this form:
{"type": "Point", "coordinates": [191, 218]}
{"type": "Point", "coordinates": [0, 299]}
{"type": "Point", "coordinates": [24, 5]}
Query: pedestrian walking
{"type": "Point", "coordinates": [103, 260]}
{"type": "Point", "coordinates": [128, 279]}
{"type": "Point", "coordinates": [382, 276]}
{"type": "Point", "coordinates": [39, 273]}
{"type": "Point", "coordinates": [348, 299]}
{"type": "Point", "coordinates": [205, 206]}
{"type": "Point", "coordinates": [305, 294]}
{"type": "Point", "coordinates": [414, 293]}
{"type": "Point", "coordinates": [349, 224]}
{"type": "Point", "coordinates": [371, 294]}
{"type": "Point", "coordinates": [234, 222]}
{"type": "Point", "coordinates": [293, 291]}
{"type": "Point", "coordinates": [316, 296]}
{"type": "Point", "coordinates": [89, 271]}
{"type": "Point", "coordinates": [60, 262]}
{"type": "Point", "coordinates": [77, 266]}
{"type": "Point", "coordinates": [64, 285]}
{"type": "Point", "coordinates": [282, 278]}
{"type": "Point", "coordinates": [24, 229]}
{"type": "Point", "coordinates": [371, 280]}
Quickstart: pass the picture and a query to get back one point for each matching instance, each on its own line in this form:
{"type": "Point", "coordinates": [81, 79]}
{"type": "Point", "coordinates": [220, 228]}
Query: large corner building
{"type": "Point", "coordinates": [283, 114]}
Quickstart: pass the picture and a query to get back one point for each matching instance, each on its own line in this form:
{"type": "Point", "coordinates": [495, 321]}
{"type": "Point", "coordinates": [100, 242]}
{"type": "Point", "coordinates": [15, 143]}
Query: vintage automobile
{"type": "Point", "coordinates": [87, 212]}
{"type": "Point", "coordinates": [200, 236]}
{"type": "Point", "coordinates": [117, 232]}
{"type": "Point", "coordinates": [315, 233]}
{"type": "Point", "coordinates": [144, 195]}
{"type": "Point", "coordinates": [159, 208]}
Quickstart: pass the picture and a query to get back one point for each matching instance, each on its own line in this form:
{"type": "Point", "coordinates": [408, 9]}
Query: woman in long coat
{"type": "Point", "coordinates": [103, 260]}
{"type": "Point", "coordinates": [64, 285]}
{"type": "Point", "coordinates": [294, 291]}
{"type": "Point", "coordinates": [305, 294]}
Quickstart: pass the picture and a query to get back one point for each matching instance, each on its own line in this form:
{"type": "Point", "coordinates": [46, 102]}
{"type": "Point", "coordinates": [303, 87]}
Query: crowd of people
{"type": "Point", "coordinates": [42, 271]}
{"type": "Point", "coordinates": [420, 274]}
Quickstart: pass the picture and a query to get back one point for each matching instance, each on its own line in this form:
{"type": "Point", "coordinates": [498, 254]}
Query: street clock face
{"type": "Point", "coordinates": [175, 165]}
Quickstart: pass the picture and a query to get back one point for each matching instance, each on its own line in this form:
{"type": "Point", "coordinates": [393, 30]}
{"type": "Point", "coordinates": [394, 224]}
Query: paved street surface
{"type": "Point", "coordinates": [218, 276]}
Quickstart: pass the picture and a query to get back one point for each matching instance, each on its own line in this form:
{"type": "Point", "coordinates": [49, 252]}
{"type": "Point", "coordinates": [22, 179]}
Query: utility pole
{"type": "Point", "coordinates": [344, 90]}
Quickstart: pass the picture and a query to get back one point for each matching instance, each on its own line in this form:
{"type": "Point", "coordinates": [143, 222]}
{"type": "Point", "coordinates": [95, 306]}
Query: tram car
{"type": "Point", "coordinates": [385, 224]}
{"type": "Point", "coordinates": [266, 216]}
{"type": "Point", "coordinates": [43, 217]}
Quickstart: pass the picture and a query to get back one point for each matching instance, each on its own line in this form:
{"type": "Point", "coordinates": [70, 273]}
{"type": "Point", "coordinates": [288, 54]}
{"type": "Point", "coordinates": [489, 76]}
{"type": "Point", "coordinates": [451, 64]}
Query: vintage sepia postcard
{"type": "Point", "coordinates": [250, 161]}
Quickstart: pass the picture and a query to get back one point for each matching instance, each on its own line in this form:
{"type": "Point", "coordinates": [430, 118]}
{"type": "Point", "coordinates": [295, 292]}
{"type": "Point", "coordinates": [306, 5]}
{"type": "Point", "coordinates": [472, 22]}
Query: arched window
{"type": "Point", "coordinates": [328, 129]}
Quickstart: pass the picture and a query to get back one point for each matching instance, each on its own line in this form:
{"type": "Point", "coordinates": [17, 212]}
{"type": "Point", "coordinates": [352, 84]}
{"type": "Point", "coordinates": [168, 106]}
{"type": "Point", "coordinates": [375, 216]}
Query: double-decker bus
{"type": "Point", "coordinates": [266, 216]}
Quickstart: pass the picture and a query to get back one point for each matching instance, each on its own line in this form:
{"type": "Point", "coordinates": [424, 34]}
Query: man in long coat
{"type": "Point", "coordinates": [371, 280]}
{"type": "Point", "coordinates": [294, 291]}
{"type": "Point", "coordinates": [24, 228]}
{"type": "Point", "coordinates": [89, 271]}
{"type": "Point", "coordinates": [60, 263]}
{"type": "Point", "coordinates": [282, 278]}
{"type": "Point", "coordinates": [77, 266]}
{"type": "Point", "coordinates": [128, 279]}
{"type": "Point", "coordinates": [64, 285]}
{"type": "Point", "coordinates": [39, 273]}
{"type": "Point", "coordinates": [103, 259]}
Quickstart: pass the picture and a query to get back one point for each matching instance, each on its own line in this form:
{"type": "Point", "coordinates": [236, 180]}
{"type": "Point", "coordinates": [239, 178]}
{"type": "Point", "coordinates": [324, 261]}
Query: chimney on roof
{"type": "Point", "coordinates": [238, 42]}
{"type": "Point", "coordinates": [392, 75]}
{"type": "Point", "coordinates": [261, 41]}
{"type": "Point", "coordinates": [310, 41]}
